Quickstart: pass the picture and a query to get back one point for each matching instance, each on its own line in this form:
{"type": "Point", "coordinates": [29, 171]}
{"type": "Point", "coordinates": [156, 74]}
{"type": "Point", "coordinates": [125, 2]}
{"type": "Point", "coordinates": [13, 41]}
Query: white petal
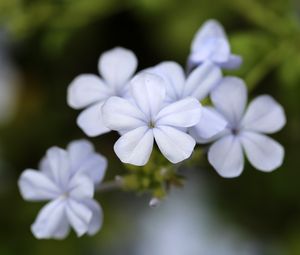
{"type": "Point", "coordinates": [174, 77]}
{"type": "Point", "coordinates": [87, 89]}
{"type": "Point", "coordinates": [210, 124]}
{"type": "Point", "coordinates": [79, 216]}
{"type": "Point", "coordinates": [226, 156]}
{"type": "Point", "coordinates": [97, 217]}
{"type": "Point", "coordinates": [117, 66]}
{"type": "Point", "coordinates": [174, 144]}
{"type": "Point", "coordinates": [51, 221]}
{"type": "Point", "coordinates": [135, 146]}
{"type": "Point", "coordinates": [81, 186]}
{"type": "Point", "coordinates": [211, 29]}
{"type": "Point", "coordinates": [184, 113]}
{"type": "Point", "coordinates": [202, 80]}
{"type": "Point", "coordinates": [148, 91]}
{"type": "Point", "coordinates": [59, 166]}
{"type": "Point", "coordinates": [265, 115]}
{"type": "Point", "coordinates": [119, 114]}
{"type": "Point", "coordinates": [91, 122]}
{"type": "Point", "coordinates": [264, 153]}
{"type": "Point", "coordinates": [36, 186]}
{"type": "Point", "coordinates": [230, 98]}
{"type": "Point", "coordinates": [233, 62]}
{"type": "Point", "coordinates": [85, 160]}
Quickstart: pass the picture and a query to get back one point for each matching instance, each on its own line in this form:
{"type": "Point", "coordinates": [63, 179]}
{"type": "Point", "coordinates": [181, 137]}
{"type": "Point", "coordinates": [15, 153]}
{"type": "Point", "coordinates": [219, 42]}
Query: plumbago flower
{"type": "Point", "coordinates": [211, 44]}
{"type": "Point", "coordinates": [245, 130]}
{"type": "Point", "coordinates": [67, 179]}
{"type": "Point", "coordinates": [199, 83]}
{"type": "Point", "coordinates": [89, 91]}
{"type": "Point", "coordinates": [146, 117]}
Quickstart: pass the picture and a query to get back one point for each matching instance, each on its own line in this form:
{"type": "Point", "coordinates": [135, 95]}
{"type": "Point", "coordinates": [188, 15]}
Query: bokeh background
{"type": "Point", "coordinates": [44, 44]}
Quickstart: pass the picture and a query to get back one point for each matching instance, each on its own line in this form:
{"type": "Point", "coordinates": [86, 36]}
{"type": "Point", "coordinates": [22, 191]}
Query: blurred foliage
{"type": "Point", "coordinates": [52, 41]}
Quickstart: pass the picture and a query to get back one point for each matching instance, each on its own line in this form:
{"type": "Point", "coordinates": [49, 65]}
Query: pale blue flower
{"type": "Point", "coordinates": [146, 117]}
{"type": "Point", "coordinates": [198, 84]}
{"type": "Point", "coordinates": [245, 131]}
{"type": "Point", "coordinates": [89, 91]}
{"type": "Point", "coordinates": [67, 179]}
{"type": "Point", "coordinates": [211, 44]}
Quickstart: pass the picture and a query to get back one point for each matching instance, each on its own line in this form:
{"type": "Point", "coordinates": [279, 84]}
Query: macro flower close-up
{"type": "Point", "coordinates": [149, 127]}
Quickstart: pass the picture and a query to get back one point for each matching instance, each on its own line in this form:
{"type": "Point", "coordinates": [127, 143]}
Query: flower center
{"type": "Point", "coordinates": [235, 131]}
{"type": "Point", "coordinates": [151, 124]}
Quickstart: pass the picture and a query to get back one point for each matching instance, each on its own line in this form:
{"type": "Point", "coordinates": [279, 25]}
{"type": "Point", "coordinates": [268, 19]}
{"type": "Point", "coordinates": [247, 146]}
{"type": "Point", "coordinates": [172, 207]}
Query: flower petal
{"type": "Point", "coordinates": [91, 122]}
{"type": "Point", "coordinates": [81, 186]}
{"type": "Point", "coordinates": [174, 144]}
{"type": "Point", "coordinates": [210, 124]}
{"type": "Point", "coordinates": [35, 186]}
{"type": "Point", "coordinates": [148, 91]}
{"type": "Point", "coordinates": [184, 113]}
{"type": "Point", "coordinates": [58, 166]}
{"type": "Point", "coordinates": [230, 99]}
{"type": "Point", "coordinates": [79, 216]}
{"type": "Point", "coordinates": [226, 156]}
{"type": "Point", "coordinates": [87, 89]}
{"type": "Point", "coordinates": [210, 42]}
{"type": "Point", "coordinates": [117, 66]}
{"type": "Point", "coordinates": [119, 114]}
{"type": "Point", "coordinates": [263, 152]}
{"type": "Point", "coordinates": [174, 77]}
{"type": "Point", "coordinates": [233, 62]}
{"type": "Point", "coordinates": [265, 115]}
{"type": "Point", "coordinates": [86, 161]}
{"type": "Point", "coordinates": [51, 221]}
{"type": "Point", "coordinates": [135, 146]}
{"type": "Point", "coordinates": [202, 80]}
{"type": "Point", "coordinates": [97, 217]}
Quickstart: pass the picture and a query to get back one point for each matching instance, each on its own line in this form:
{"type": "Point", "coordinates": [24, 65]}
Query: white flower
{"type": "Point", "coordinates": [201, 81]}
{"type": "Point", "coordinates": [89, 91]}
{"type": "Point", "coordinates": [211, 44]}
{"type": "Point", "coordinates": [66, 178]}
{"type": "Point", "coordinates": [146, 117]}
{"type": "Point", "coordinates": [245, 130]}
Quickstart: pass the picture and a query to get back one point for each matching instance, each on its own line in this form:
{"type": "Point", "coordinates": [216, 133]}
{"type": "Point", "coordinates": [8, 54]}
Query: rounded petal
{"type": "Point", "coordinates": [84, 160]}
{"type": "Point", "coordinates": [148, 91]}
{"type": "Point", "coordinates": [119, 114]}
{"type": "Point", "coordinates": [184, 113]}
{"type": "Point", "coordinates": [91, 122]}
{"type": "Point", "coordinates": [265, 115]}
{"type": "Point", "coordinates": [51, 221]}
{"type": "Point", "coordinates": [79, 216]}
{"type": "Point", "coordinates": [202, 80]}
{"type": "Point", "coordinates": [135, 146]}
{"type": "Point", "coordinates": [174, 144]}
{"type": "Point", "coordinates": [226, 156]}
{"type": "Point", "coordinates": [35, 186]}
{"type": "Point", "coordinates": [174, 77]}
{"type": "Point", "coordinates": [81, 186]}
{"type": "Point", "coordinates": [87, 89]}
{"type": "Point", "coordinates": [116, 67]}
{"type": "Point", "coordinates": [59, 166]}
{"type": "Point", "coordinates": [230, 99]}
{"type": "Point", "coordinates": [97, 217]}
{"type": "Point", "coordinates": [210, 124]}
{"type": "Point", "coordinates": [263, 152]}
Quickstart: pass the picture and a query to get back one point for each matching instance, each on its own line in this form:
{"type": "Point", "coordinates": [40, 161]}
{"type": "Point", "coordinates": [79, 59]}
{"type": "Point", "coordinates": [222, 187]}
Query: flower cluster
{"type": "Point", "coordinates": [159, 105]}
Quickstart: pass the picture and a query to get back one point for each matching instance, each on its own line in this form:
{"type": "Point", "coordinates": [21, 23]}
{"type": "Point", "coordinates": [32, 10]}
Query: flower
{"type": "Point", "coordinates": [245, 130]}
{"type": "Point", "coordinates": [66, 178]}
{"type": "Point", "coordinates": [199, 83]}
{"type": "Point", "coordinates": [211, 44]}
{"type": "Point", "coordinates": [89, 91]}
{"type": "Point", "coordinates": [146, 116]}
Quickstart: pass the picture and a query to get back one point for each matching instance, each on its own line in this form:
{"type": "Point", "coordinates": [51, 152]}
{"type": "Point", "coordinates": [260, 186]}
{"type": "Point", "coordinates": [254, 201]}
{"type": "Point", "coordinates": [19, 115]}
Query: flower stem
{"type": "Point", "coordinates": [110, 185]}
